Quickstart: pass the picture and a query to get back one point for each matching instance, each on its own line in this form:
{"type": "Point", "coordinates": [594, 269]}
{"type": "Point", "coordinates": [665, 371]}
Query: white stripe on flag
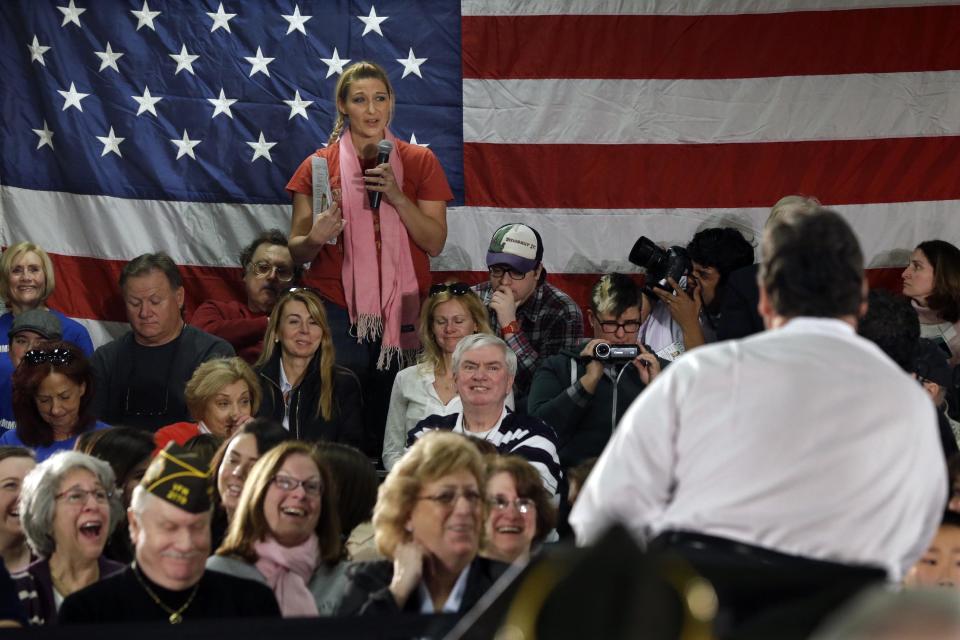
{"type": "Point", "coordinates": [196, 233]}
{"type": "Point", "coordinates": [672, 7]}
{"type": "Point", "coordinates": [792, 108]}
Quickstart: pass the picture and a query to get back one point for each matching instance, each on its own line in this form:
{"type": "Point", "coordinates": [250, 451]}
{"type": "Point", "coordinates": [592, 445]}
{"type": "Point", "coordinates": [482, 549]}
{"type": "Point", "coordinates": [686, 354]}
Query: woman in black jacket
{"type": "Point", "coordinates": [303, 388]}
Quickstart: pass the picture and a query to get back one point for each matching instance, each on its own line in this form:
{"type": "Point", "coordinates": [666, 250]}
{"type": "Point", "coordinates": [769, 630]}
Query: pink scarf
{"type": "Point", "coordinates": [380, 304]}
{"type": "Point", "coordinates": [287, 570]}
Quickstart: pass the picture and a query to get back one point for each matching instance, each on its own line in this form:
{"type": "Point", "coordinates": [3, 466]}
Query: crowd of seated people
{"type": "Point", "coordinates": [487, 440]}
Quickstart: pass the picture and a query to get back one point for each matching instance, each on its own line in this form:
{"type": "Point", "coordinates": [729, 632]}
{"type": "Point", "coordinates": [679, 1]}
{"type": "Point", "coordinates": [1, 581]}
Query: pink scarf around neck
{"type": "Point", "coordinates": [288, 570]}
{"type": "Point", "coordinates": [381, 304]}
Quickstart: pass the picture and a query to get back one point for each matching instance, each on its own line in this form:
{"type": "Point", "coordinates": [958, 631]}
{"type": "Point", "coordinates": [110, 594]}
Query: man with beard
{"type": "Point", "coordinates": [169, 519]}
{"type": "Point", "coordinates": [268, 270]}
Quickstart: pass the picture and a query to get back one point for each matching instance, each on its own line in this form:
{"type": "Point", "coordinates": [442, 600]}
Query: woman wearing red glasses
{"type": "Point", "coordinates": [451, 312]}
{"type": "Point", "coordinates": [52, 394]}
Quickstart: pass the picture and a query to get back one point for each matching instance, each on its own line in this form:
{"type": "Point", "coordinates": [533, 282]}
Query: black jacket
{"type": "Point", "coordinates": [306, 423]}
{"type": "Point", "coordinates": [368, 588]}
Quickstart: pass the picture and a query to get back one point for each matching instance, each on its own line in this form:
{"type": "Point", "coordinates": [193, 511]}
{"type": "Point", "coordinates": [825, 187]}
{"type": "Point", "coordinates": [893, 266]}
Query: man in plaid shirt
{"type": "Point", "coordinates": [535, 318]}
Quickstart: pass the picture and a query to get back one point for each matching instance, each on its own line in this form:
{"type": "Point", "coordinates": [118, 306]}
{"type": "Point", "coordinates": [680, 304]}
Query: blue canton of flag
{"type": "Point", "coordinates": [210, 101]}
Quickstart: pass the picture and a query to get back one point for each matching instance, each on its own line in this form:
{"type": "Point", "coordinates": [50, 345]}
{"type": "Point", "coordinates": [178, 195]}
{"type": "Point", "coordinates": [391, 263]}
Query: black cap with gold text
{"type": "Point", "coordinates": [179, 477]}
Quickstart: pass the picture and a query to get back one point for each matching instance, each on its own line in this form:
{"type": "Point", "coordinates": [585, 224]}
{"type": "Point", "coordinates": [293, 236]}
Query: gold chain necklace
{"type": "Point", "coordinates": [175, 614]}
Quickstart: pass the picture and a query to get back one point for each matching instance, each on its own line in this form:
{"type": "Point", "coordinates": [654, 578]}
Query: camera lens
{"type": "Point", "coordinates": [602, 351]}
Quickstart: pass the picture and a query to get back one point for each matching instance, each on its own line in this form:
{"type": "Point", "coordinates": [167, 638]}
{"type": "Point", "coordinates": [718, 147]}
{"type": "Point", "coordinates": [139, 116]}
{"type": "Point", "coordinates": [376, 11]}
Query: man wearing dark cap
{"type": "Point", "coordinates": [28, 329]}
{"type": "Point", "coordinates": [534, 318]}
{"type": "Point", "coordinates": [803, 447]}
{"type": "Point", "coordinates": [169, 519]}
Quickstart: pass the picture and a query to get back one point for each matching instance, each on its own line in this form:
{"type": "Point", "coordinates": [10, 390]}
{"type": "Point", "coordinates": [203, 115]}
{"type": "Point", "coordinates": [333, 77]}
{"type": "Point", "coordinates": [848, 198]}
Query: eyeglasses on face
{"type": "Point", "coordinates": [52, 356]}
{"type": "Point", "coordinates": [77, 497]}
{"type": "Point", "coordinates": [311, 486]}
{"type": "Point", "coordinates": [630, 326]}
{"type": "Point", "coordinates": [455, 289]}
{"type": "Point", "coordinates": [265, 269]}
{"type": "Point", "coordinates": [497, 272]}
{"type": "Point", "coordinates": [449, 497]}
{"type": "Point", "coordinates": [501, 503]}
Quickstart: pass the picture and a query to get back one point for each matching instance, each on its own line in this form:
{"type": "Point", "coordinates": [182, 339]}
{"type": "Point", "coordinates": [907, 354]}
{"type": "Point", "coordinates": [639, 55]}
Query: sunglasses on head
{"type": "Point", "coordinates": [51, 356]}
{"type": "Point", "coordinates": [455, 289]}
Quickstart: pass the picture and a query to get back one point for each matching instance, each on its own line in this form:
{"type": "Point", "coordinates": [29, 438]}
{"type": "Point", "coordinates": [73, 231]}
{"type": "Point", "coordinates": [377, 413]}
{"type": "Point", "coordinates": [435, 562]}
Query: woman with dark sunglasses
{"type": "Point", "coordinates": [52, 394]}
{"type": "Point", "coordinates": [451, 312]}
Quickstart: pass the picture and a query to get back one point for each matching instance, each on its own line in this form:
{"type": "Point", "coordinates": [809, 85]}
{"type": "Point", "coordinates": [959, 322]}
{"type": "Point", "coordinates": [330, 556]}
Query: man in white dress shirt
{"type": "Point", "coordinates": [804, 442]}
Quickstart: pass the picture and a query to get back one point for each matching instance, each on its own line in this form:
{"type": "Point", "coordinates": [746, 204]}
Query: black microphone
{"type": "Point", "coordinates": [384, 147]}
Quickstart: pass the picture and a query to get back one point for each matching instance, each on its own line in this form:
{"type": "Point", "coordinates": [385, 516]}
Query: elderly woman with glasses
{"type": "Point", "coordinates": [427, 388]}
{"type": "Point", "coordinates": [521, 512]}
{"type": "Point", "coordinates": [286, 533]}
{"type": "Point", "coordinates": [429, 524]}
{"type": "Point", "coordinates": [303, 387]}
{"type": "Point", "coordinates": [68, 508]}
{"type": "Point", "coordinates": [222, 394]}
{"type": "Point", "coordinates": [52, 394]}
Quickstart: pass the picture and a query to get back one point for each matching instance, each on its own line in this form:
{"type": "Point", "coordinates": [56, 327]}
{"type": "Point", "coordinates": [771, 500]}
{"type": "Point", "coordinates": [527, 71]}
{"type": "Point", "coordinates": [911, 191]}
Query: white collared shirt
{"type": "Point", "coordinates": [285, 388]}
{"type": "Point", "coordinates": [454, 600]}
{"type": "Point", "coordinates": [806, 439]}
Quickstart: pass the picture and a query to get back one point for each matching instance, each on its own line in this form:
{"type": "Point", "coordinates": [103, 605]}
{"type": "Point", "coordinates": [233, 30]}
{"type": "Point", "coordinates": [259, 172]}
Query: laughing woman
{"type": "Point", "coordinates": [68, 507]}
{"type": "Point", "coordinates": [15, 463]}
{"type": "Point", "coordinates": [286, 533]}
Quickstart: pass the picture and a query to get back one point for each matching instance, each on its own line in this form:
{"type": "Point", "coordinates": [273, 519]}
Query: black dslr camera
{"type": "Point", "coordinates": [661, 264]}
{"type": "Point", "coordinates": [615, 352]}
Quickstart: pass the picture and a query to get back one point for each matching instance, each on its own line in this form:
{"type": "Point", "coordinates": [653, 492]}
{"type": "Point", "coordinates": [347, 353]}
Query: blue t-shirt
{"type": "Point", "coordinates": [11, 439]}
{"type": "Point", "coordinates": [73, 332]}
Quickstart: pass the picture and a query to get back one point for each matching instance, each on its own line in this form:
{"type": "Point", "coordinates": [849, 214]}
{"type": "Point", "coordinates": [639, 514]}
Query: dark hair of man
{"type": "Point", "coordinates": [723, 248]}
{"type": "Point", "coordinates": [142, 265]}
{"type": "Point", "coordinates": [945, 260]}
{"type": "Point", "coordinates": [356, 483]}
{"type": "Point", "coordinates": [812, 266]}
{"type": "Point", "coordinates": [615, 292]}
{"type": "Point", "coordinates": [892, 324]}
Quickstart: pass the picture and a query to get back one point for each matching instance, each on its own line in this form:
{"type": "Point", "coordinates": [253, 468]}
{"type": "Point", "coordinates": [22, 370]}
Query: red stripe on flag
{"type": "Point", "coordinates": [88, 287]}
{"type": "Point", "coordinates": [78, 295]}
{"type": "Point", "coordinates": [712, 46]}
{"type": "Point", "coordinates": [710, 175]}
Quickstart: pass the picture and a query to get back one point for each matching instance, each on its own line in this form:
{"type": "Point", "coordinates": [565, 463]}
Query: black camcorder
{"type": "Point", "coordinates": [661, 264]}
{"type": "Point", "coordinates": [615, 352]}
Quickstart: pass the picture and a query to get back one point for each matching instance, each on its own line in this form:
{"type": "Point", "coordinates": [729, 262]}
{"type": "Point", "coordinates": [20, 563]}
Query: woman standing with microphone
{"type": "Point", "coordinates": [371, 265]}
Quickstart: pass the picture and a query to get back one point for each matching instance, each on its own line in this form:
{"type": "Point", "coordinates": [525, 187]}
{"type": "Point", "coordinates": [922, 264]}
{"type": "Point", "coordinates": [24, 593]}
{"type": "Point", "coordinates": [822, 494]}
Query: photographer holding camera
{"type": "Point", "coordinates": [574, 391]}
{"type": "Point", "coordinates": [690, 287]}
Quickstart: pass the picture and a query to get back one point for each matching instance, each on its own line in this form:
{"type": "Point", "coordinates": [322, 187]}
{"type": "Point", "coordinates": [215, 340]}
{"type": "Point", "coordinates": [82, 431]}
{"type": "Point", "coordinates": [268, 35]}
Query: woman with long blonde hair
{"type": "Point", "coordinates": [369, 247]}
{"type": "Point", "coordinates": [303, 387]}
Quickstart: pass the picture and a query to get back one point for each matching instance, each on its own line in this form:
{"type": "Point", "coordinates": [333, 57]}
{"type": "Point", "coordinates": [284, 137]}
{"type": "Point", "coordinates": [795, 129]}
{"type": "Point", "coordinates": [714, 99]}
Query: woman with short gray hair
{"type": "Point", "coordinates": [68, 507]}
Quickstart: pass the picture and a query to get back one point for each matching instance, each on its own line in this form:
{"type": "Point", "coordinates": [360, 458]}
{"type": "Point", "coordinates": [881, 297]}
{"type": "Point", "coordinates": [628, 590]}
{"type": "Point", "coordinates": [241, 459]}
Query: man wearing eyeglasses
{"type": "Point", "coordinates": [535, 318]}
{"type": "Point", "coordinates": [268, 271]}
{"type": "Point", "coordinates": [169, 521]}
{"type": "Point", "coordinates": [575, 391]}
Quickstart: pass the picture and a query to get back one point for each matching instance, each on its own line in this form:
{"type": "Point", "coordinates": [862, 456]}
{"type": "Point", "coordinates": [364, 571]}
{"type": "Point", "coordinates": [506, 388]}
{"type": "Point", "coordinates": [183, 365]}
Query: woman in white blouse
{"type": "Point", "coordinates": [451, 312]}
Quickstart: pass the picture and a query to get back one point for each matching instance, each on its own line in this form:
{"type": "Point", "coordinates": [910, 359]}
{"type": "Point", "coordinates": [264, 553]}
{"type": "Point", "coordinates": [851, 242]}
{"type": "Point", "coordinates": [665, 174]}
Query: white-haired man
{"type": "Point", "coordinates": [169, 519]}
{"type": "Point", "coordinates": [484, 368]}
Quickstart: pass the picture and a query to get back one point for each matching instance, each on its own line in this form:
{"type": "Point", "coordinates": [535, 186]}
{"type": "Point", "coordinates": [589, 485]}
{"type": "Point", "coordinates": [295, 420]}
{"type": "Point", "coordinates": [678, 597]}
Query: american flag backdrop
{"type": "Point", "coordinates": [131, 126]}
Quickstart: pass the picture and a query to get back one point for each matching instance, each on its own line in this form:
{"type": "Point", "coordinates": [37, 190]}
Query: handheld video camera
{"type": "Point", "coordinates": [615, 352]}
